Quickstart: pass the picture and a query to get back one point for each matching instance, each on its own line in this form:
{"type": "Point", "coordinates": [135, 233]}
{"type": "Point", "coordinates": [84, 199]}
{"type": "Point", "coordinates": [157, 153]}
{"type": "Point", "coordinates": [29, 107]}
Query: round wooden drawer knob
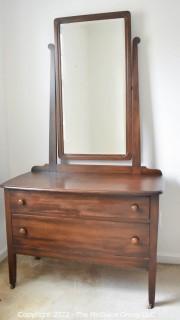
{"type": "Point", "coordinates": [21, 202]}
{"type": "Point", "coordinates": [135, 207]}
{"type": "Point", "coordinates": [22, 231]}
{"type": "Point", "coordinates": [135, 240]}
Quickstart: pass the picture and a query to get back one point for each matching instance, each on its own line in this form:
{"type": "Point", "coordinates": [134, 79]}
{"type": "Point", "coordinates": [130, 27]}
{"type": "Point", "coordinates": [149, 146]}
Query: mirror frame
{"type": "Point", "coordinates": [59, 106]}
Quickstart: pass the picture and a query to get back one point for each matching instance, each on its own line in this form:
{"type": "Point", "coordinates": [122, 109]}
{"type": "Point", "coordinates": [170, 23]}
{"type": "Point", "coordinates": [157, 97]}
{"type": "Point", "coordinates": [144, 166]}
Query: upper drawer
{"type": "Point", "coordinates": [100, 207]}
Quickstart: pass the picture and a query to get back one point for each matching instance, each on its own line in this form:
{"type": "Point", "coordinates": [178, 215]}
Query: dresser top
{"type": "Point", "coordinates": [90, 183]}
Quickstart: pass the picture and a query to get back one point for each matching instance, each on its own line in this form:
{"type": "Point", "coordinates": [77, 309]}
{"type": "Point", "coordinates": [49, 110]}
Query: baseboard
{"type": "Point", "coordinates": [3, 254]}
{"type": "Point", "coordinates": [168, 258]}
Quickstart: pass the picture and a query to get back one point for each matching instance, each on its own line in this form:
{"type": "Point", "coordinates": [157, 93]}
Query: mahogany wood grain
{"type": "Point", "coordinates": [11, 252]}
{"type": "Point", "coordinates": [52, 116]}
{"type": "Point", "coordinates": [87, 217]}
{"type": "Point", "coordinates": [123, 262]}
{"type": "Point", "coordinates": [88, 183]}
{"type": "Point", "coordinates": [154, 217]}
{"type": "Point", "coordinates": [92, 17]}
{"type": "Point", "coordinates": [81, 237]}
{"type": "Point", "coordinates": [97, 169]}
{"type": "Point", "coordinates": [87, 207]}
{"type": "Point", "coordinates": [136, 141]}
{"type": "Point", "coordinates": [58, 82]}
{"type": "Point", "coordinates": [129, 120]}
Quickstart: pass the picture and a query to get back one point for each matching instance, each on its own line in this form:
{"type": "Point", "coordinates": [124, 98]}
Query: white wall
{"type": "Point", "coordinates": [3, 138]}
{"type": "Point", "coordinates": [29, 28]}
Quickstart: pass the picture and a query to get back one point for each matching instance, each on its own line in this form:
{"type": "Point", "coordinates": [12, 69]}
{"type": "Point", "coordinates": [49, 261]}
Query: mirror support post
{"type": "Point", "coordinates": [52, 165]}
{"type": "Point", "coordinates": [52, 119]}
{"type": "Point", "coordinates": [136, 140]}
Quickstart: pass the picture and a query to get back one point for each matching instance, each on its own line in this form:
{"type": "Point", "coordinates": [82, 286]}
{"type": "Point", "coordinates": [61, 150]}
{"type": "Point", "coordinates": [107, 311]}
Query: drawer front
{"type": "Point", "coordinates": [81, 237]}
{"type": "Point", "coordinates": [56, 204]}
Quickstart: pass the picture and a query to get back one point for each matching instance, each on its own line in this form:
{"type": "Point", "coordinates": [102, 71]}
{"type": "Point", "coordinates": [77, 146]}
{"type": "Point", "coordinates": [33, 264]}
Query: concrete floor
{"type": "Point", "coordinates": [50, 289]}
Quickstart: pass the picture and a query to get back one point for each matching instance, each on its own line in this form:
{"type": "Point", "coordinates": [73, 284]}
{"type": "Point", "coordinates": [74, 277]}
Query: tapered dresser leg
{"type": "Point", "coordinates": [11, 254]}
{"type": "Point", "coordinates": [152, 285]}
{"type": "Point", "coordinates": [154, 215]}
{"type": "Point", "coordinates": [12, 270]}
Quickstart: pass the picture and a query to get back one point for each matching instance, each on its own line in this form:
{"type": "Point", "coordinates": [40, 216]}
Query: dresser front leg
{"type": "Point", "coordinates": [152, 284]}
{"type": "Point", "coordinates": [154, 214]}
{"type": "Point", "coordinates": [11, 254]}
{"type": "Point", "coordinates": [12, 269]}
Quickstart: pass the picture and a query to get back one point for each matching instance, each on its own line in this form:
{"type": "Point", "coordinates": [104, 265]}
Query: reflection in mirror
{"type": "Point", "coordinates": [94, 87]}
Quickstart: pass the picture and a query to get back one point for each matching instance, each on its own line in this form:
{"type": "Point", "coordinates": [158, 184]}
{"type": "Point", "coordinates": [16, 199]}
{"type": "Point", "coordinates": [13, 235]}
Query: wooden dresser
{"type": "Point", "coordinates": [102, 214]}
{"type": "Point", "coordinates": [99, 217]}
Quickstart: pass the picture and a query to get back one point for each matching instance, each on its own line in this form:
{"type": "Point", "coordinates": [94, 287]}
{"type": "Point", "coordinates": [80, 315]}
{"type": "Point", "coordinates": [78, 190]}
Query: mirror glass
{"type": "Point", "coordinates": [93, 71]}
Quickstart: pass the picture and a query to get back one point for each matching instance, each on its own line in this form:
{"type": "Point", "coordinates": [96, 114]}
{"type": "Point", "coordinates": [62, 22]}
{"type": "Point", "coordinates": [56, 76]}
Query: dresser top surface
{"type": "Point", "coordinates": [97, 183]}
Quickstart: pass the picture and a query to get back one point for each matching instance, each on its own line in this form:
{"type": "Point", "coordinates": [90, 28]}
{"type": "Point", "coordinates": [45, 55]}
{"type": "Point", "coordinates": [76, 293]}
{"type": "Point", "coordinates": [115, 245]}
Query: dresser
{"type": "Point", "coordinates": [101, 214]}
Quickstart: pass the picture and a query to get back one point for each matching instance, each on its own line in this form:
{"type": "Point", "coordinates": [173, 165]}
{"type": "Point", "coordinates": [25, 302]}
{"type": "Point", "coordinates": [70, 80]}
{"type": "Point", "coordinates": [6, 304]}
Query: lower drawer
{"type": "Point", "coordinates": [77, 237]}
